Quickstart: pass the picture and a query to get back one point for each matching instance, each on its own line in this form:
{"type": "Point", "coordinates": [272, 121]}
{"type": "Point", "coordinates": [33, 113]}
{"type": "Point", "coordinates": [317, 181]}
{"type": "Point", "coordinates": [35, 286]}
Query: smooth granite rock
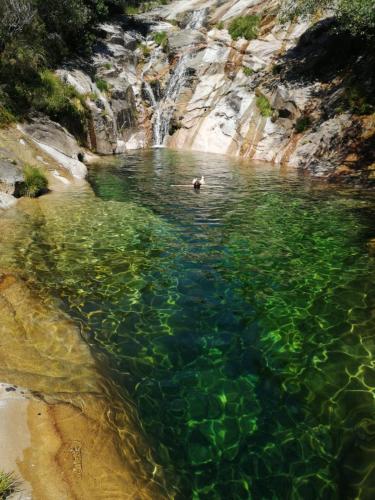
{"type": "Point", "coordinates": [7, 200]}
{"type": "Point", "coordinates": [56, 141]}
{"type": "Point", "coordinates": [10, 176]}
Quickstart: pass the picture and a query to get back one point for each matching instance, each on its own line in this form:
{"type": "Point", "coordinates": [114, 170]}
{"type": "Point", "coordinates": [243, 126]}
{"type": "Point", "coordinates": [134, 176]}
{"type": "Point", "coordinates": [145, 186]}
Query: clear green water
{"type": "Point", "coordinates": [240, 319]}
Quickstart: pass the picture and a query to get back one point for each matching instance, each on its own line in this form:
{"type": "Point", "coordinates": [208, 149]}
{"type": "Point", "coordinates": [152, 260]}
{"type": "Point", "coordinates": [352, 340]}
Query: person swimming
{"type": "Point", "coordinates": [198, 183]}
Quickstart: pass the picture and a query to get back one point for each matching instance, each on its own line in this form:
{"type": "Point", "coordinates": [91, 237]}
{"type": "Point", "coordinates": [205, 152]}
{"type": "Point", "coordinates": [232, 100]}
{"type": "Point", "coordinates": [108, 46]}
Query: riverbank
{"type": "Point", "coordinates": [65, 428]}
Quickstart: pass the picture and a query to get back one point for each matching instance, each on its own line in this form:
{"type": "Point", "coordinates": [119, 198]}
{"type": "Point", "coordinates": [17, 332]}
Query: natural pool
{"type": "Point", "coordinates": [240, 319]}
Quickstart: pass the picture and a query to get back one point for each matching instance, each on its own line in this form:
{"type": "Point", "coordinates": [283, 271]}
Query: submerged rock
{"type": "Point", "coordinates": [69, 425]}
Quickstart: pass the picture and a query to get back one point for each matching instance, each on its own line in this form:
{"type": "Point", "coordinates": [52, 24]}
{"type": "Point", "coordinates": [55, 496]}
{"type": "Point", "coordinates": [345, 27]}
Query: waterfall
{"type": "Point", "coordinates": [157, 114]}
{"type": "Point", "coordinates": [163, 111]}
{"type": "Point", "coordinates": [150, 93]}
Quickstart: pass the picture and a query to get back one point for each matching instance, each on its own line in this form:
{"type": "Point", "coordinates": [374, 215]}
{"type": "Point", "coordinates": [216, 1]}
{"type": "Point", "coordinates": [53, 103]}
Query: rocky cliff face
{"type": "Point", "coordinates": [175, 77]}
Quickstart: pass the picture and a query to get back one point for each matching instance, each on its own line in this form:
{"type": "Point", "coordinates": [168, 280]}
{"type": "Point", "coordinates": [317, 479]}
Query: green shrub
{"type": "Point", "coordinates": [59, 101]}
{"type": "Point", "coordinates": [108, 65]}
{"type": "Point", "coordinates": [264, 106]}
{"type": "Point", "coordinates": [244, 27]}
{"type": "Point", "coordinates": [91, 96]}
{"type": "Point", "coordinates": [52, 95]}
{"type": "Point", "coordinates": [102, 85]}
{"type": "Point", "coordinates": [247, 71]}
{"type": "Point", "coordinates": [161, 38]}
{"type": "Point", "coordinates": [6, 117]}
{"type": "Point", "coordinates": [8, 484]}
{"type": "Point", "coordinates": [220, 25]}
{"type": "Point", "coordinates": [358, 102]}
{"type": "Point", "coordinates": [131, 10]}
{"type": "Point", "coordinates": [357, 16]}
{"type": "Point", "coordinates": [35, 182]}
{"type": "Point", "coordinates": [302, 124]}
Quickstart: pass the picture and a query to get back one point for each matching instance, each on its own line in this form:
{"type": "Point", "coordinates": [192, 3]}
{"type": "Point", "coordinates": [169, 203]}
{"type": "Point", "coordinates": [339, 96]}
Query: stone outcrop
{"type": "Point", "coordinates": [319, 150]}
{"type": "Point", "coordinates": [201, 90]}
{"type": "Point", "coordinates": [217, 107]}
{"type": "Point", "coordinates": [56, 141]}
{"type": "Point", "coordinates": [43, 144]}
{"type": "Point", "coordinates": [110, 87]}
{"type": "Point", "coordinates": [11, 177]}
{"type": "Point", "coordinates": [218, 110]}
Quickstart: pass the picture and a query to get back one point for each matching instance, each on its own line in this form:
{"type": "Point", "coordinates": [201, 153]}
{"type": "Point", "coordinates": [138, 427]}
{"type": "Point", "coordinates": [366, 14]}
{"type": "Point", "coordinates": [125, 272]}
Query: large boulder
{"type": "Point", "coordinates": [181, 40]}
{"type": "Point", "coordinates": [45, 131]}
{"type": "Point", "coordinates": [321, 150]}
{"type": "Point", "coordinates": [58, 143]}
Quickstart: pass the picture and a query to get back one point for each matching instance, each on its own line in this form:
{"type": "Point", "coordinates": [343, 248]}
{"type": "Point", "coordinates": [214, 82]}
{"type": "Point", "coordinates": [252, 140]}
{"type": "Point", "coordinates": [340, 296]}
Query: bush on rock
{"type": "Point", "coordinates": [35, 182]}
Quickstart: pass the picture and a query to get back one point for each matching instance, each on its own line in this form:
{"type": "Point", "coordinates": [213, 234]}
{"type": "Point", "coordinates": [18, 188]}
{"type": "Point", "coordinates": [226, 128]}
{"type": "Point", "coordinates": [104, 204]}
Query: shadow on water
{"type": "Point", "coordinates": [238, 318]}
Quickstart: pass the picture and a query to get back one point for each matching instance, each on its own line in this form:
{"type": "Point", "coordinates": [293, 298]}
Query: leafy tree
{"type": "Point", "coordinates": [14, 16]}
{"type": "Point", "coordinates": [36, 35]}
{"type": "Point", "coordinates": [357, 16]}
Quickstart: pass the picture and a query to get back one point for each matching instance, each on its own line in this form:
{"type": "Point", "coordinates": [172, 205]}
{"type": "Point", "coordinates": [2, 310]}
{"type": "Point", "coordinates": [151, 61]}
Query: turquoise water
{"type": "Point", "coordinates": [240, 319]}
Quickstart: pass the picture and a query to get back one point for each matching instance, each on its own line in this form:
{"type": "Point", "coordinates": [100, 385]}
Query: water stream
{"type": "Point", "coordinates": [157, 115]}
{"type": "Point", "coordinates": [239, 318]}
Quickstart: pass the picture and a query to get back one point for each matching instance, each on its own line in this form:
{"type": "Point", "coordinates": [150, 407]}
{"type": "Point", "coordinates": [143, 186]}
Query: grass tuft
{"type": "Point", "coordinates": [6, 117]}
{"type": "Point", "coordinates": [264, 106]}
{"type": "Point", "coordinates": [146, 51]}
{"type": "Point", "coordinates": [358, 102]}
{"type": "Point", "coordinates": [247, 71]}
{"type": "Point", "coordinates": [161, 38]}
{"type": "Point", "coordinates": [102, 85]}
{"type": "Point", "coordinates": [8, 484]}
{"type": "Point", "coordinates": [244, 27]}
{"type": "Point", "coordinates": [35, 182]}
{"type": "Point", "coordinates": [132, 10]}
{"type": "Point", "coordinates": [61, 102]}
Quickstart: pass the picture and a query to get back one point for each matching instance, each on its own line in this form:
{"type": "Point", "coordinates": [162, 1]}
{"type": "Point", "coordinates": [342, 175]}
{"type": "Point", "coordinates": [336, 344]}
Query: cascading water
{"type": "Point", "coordinates": [163, 111]}
{"type": "Point", "coordinates": [158, 139]}
{"type": "Point", "coordinates": [150, 93]}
